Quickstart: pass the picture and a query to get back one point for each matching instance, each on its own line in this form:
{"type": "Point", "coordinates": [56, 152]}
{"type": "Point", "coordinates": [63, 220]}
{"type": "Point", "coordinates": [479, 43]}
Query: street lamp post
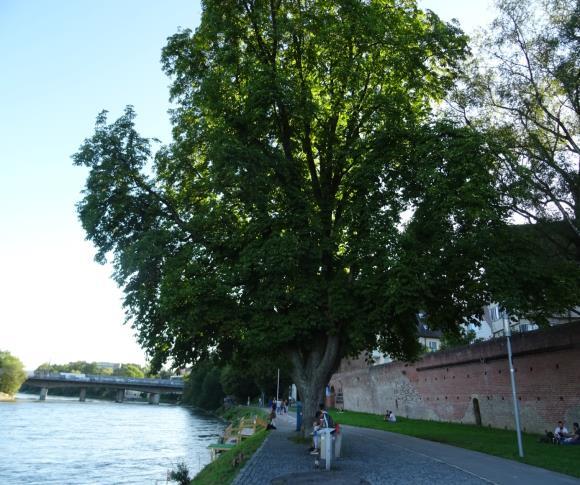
{"type": "Point", "coordinates": [507, 330]}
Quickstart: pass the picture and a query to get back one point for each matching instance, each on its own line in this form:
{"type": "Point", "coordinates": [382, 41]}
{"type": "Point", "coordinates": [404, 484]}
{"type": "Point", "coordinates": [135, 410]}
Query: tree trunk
{"type": "Point", "coordinates": [311, 373]}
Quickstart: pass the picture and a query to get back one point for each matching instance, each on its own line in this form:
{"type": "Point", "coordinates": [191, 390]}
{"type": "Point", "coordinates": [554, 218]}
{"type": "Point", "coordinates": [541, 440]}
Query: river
{"type": "Point", "coordinates": [64, 441]}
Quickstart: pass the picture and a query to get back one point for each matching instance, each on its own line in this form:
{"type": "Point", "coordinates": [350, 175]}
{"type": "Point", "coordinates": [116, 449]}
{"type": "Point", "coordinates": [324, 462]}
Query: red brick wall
{"type": "Point", "coordinates": [443, 385]}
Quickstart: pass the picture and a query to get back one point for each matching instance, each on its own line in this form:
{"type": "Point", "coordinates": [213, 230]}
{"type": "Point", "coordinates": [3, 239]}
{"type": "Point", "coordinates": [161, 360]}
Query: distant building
{"type": "Point", "coordinates": [494, 319]}
{"type": "Point", "coordinates": [429, 339]}
{"type": "Point", "coordinates": [491, 326]}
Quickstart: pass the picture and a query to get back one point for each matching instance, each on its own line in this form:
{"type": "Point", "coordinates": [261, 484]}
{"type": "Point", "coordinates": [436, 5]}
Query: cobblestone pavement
{"type": "Point", "coordinates": [378, 458]}
{"type": "Point", "coordinates": [280, 460]}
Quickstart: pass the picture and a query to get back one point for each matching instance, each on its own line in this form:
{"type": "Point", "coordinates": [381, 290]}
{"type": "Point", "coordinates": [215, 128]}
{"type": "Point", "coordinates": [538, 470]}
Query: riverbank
{"type": "Point", "coordinates": [226, 467]}
{"type": "Point", "coordinates": [6, 397]}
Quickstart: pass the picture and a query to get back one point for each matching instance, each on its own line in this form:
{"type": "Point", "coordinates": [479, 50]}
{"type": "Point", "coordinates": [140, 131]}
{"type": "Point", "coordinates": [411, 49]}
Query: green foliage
{"type": "Point", "coordinates": [275, 225]}
{"type": "Point", "coordinates": [492, 441]}
{"type": "Point", "coordinates": [530, 275]}
{"type": "Point", "coordinates": [203, 388]}
{"type": "Point", "coordinates": [129, 370]}
{"type": "Point", "coordinates": [235, 414]}
{"type": "Point", "coordinates": [463, 336]}
{"type": "Point", "coordinates": [450, 239]}
{"type": "Point", "coordinates": [236, 382]}
{"type": "Point", "coordinates": [12, 373]}
{"type": "Point", "coordinates": [91, 368]}
{"type": "Point", "coordinates": [251, 379]}
{"type": "Point", "coordinates": [269, 226]}
{"type": "Point", "coordinates": [180, 474]}
{"type": "Point", "coordinates": [525, 89]}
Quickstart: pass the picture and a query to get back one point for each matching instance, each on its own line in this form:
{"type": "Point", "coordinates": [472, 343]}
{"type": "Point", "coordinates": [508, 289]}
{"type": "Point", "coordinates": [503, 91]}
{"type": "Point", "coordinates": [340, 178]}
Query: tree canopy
{"type": "Point", "coordinates": [273, 225]}
{"type": "Point", "coordinates": [533, 88]}
{"type": "Point", "coordinates": [12, 373]}
{"type": "Point", "coordinates": [524, 88]}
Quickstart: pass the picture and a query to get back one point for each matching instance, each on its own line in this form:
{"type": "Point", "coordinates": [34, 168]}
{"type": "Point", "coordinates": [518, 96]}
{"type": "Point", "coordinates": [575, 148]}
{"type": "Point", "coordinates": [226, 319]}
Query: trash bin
{"type": "Point", "coordinates": [298, 415]}
{"type": "Point", "coordinates": [327, 446]}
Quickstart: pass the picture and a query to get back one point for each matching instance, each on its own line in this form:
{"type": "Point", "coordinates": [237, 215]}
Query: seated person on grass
{"type": "Point", "coordinates": [574, 439]}
{"type": "Point", "coordinates": [560, 432]}
{"type": "Point", "coordinates": [390, 417]}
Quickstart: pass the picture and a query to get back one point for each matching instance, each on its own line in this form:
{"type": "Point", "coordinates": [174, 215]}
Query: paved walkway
{"type": "Point", "coordinates": [376, 457]}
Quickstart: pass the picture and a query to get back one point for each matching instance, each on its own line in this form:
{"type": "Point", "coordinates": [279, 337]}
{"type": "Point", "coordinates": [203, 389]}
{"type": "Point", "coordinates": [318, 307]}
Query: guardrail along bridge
{"type": "Point", "coordinates": [154, 387]}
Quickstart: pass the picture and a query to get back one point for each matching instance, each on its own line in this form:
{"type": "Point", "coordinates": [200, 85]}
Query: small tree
{"type": "Point", "coordinates": [12, 373]}
{"type": "Point", "coordinates": [180, 474]}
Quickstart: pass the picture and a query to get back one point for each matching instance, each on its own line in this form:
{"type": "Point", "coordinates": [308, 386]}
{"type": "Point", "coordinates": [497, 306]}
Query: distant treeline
{"type": "Point", "coordinates": [207, 384]}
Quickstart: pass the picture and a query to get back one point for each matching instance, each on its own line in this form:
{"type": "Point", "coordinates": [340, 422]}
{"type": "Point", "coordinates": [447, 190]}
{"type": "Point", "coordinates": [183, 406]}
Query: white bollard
{"type": "Point", "coordinates": [326, 446]}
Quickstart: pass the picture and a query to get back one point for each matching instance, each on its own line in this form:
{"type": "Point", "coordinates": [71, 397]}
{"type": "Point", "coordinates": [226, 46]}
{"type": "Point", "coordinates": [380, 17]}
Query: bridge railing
{"type": "Point", "coordinates": [69, 377]}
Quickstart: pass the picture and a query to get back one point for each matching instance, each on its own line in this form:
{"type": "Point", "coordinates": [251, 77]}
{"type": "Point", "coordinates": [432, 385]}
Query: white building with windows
{"type": "Point", "coordinates": [429, 339]}
{"type": "Point", "coordinates": [494, 318]}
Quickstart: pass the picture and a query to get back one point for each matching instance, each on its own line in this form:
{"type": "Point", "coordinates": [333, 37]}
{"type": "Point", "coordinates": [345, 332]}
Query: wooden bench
{"type": "Point", "coordinates": [248, 426]}
{"type": "Point", "coordinates": [233, 435]}
{"type": "Point", "coordinates": [217, 448]}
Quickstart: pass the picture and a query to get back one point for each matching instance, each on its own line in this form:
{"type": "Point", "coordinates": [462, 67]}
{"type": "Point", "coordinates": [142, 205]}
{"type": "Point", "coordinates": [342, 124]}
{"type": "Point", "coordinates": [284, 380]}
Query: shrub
{"type": "Point", "coordinates": [12, 373]}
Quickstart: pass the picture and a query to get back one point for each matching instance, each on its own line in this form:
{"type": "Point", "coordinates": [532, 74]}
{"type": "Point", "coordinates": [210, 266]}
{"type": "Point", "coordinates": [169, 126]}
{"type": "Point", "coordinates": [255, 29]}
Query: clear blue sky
{"type": "Point", "coordinates": [63, 61]}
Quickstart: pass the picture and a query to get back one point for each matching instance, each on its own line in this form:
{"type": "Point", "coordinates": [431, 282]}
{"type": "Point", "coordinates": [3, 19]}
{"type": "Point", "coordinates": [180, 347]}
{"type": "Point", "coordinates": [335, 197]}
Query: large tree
{"type": "Point", "coordinates": [271, 226]}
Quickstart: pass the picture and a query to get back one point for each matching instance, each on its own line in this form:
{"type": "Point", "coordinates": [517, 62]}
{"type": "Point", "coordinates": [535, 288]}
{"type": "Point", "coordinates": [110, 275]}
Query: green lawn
{"type": "Point", "coordinates": [498, 442]}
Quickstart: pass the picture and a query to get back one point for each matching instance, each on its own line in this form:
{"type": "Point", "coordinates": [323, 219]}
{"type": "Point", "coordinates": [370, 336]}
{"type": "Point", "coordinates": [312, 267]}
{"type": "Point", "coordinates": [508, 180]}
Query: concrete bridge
{"type": "Point", "coordinates": [154, 387]}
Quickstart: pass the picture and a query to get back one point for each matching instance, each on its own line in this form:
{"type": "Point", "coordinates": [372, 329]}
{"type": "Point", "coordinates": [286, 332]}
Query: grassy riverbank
{"type": "Point", "coordinates": [225, 468]}
{"type": "Point", "coordinates": [498, 442]}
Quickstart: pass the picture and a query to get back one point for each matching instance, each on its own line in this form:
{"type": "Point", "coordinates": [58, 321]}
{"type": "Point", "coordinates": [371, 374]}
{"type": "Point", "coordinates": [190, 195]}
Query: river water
{"type": "Point", "coordinates": [64, 441]}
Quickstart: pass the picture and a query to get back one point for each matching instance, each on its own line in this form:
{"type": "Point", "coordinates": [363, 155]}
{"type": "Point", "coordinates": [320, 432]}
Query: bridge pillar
{"type": "Point", "coordinates": [153, 398]}
{"type": "Point", "coordinates": [83, 394]}
{"type": "Point", "coordinates": [120, 395]}
{"type": "Point", "coordinates": [43, 393]}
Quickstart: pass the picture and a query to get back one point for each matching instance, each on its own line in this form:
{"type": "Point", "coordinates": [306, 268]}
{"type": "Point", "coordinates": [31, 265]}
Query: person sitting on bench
{"type": "Point", "coordinates": [315, 450]}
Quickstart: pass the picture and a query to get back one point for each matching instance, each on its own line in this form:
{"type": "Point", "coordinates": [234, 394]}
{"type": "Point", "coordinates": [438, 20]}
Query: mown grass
{"type": "Point", "coordinates": [498, 442]}
{"type": "Point", "coordinates": [223, 470]}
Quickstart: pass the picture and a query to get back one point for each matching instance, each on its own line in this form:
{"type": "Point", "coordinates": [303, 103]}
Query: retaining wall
{"type": "Point", "coordinates": [451, 385]}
